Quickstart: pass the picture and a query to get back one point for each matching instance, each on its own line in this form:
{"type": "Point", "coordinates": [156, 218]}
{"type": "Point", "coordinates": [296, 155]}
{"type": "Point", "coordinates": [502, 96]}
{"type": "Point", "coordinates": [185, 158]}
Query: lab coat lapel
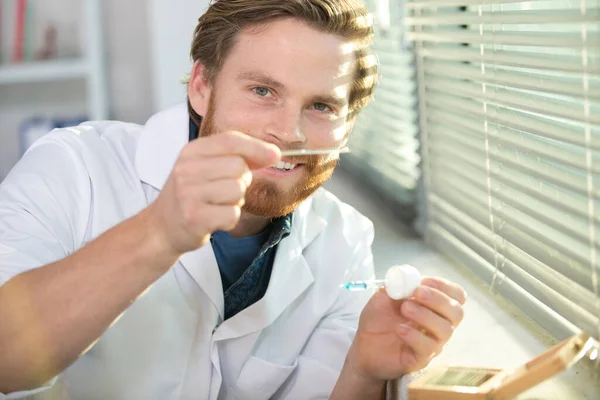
{"type": "Point", "coordinates": [202, 265]}
{"type": "Point", "coordinates": [290, 277]}
{"type": "Point", "coordinates": [164, 136]}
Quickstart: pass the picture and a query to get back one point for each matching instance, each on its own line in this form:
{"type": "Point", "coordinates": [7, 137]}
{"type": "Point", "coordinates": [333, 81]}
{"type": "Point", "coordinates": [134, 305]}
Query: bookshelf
{"type": "Point", "coordinates": [43, 71]}
{"type": "Point", "coordinates": [90, 66]}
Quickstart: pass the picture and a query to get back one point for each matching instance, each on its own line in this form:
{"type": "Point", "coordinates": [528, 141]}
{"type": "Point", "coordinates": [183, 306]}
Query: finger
{"type": "Point", "coordinates": [440, 303]}
{"type": "Point", "coordinates": [438, 326]}
{"type": "Point", "coordinates": [423, 346]}
{"type": "Point", "coordinates": [257, 153]}
{"type": "Point", "coordinates": [224, 192]}
{"type": "Point", "coordinates": [451, 289]}
{"type": "Point", "coordinates": [223, 167]}
{"type": "Point", "coordinates": [216, 218]}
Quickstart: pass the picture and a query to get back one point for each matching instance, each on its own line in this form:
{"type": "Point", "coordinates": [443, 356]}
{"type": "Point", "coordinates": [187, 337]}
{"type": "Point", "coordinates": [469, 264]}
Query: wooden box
{"type": "Point", "coordinates": [472, 383]}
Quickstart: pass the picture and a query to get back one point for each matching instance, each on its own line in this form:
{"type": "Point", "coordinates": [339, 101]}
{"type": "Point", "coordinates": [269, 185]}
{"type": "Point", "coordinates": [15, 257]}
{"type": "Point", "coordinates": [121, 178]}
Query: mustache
{"type": "Point", "coordinates": [312, 160]}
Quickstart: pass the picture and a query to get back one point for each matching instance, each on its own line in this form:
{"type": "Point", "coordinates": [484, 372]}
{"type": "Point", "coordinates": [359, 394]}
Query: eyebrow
{"type": "Point", "coordinates": [261, 78]}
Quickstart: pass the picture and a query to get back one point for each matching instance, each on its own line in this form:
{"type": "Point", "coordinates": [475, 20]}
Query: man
{"type": "Point", "coordinates": [187, 258]}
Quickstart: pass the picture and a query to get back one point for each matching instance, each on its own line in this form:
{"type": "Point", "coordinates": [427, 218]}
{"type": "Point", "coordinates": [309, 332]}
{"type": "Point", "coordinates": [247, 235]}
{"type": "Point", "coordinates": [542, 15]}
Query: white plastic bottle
{"type": "Point", "coordinates": [401, 281]}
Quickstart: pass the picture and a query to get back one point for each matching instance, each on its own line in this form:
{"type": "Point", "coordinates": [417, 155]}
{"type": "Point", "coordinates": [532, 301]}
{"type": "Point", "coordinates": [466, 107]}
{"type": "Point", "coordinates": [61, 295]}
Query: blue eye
{"type": "Point", "coordinates": [261, 91]}
{"type": "Point", "coordinates": [321, 107]}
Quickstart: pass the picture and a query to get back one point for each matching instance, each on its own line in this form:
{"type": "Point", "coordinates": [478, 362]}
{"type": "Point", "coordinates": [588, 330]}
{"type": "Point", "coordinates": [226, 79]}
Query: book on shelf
{"type": "Point", "coordinates": [33, 30]}
{"type": "Point", "coordinates": [14, 31]}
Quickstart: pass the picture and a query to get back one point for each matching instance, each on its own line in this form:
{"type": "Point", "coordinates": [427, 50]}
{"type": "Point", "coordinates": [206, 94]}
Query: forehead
{"type": "Point", "coordinates": [295, 54]}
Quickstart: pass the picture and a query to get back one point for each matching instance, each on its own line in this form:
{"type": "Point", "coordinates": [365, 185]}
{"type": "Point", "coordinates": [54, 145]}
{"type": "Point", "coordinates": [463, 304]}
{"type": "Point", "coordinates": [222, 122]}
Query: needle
{"type": "Point", "coordinates": [306, 152]}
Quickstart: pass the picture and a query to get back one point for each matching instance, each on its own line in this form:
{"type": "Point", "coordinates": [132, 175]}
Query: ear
{"type": "Point", "coordinates": [199, 89]}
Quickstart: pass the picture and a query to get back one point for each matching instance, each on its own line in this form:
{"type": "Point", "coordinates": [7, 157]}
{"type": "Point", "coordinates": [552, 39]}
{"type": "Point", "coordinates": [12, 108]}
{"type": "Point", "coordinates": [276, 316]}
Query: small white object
{"type": "Point", "coordinates": [401, 281]}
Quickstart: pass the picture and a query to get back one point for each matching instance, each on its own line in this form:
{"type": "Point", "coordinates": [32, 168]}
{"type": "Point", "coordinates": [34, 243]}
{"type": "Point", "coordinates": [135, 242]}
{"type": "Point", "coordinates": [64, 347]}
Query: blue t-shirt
{"type": "Point", "coordinates": [245, 264]}
{"type": "Point", "coordinates": [234, 255]}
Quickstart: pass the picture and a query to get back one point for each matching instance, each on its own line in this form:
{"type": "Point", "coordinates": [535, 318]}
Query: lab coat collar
{"type": "Point", "coordinates": [160, 143]}
{"type": "Point", "coordinates": [202, 266]}
{"type": "Point", "coordinates": [290, 277]}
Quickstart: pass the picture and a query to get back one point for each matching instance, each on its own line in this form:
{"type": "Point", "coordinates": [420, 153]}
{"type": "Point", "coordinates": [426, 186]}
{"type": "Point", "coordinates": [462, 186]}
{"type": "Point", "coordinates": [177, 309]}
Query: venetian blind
{"type": "Point", "coordinates": [510, 119]}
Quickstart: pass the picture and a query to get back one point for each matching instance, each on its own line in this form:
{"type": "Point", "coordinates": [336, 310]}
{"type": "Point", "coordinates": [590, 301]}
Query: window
{"type": "Point", "coordinates": [509, 103]}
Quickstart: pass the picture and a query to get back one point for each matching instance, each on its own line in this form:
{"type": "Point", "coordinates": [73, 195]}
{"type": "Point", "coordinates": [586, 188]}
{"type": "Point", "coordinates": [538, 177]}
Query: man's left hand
{"type": "Point", "coordinates": [396, 337]}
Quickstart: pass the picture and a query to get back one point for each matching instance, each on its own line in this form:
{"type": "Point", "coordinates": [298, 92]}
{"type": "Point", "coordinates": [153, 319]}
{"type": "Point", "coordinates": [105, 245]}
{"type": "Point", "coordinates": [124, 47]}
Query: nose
{"type": "Point", "coordinates": [284, 126]}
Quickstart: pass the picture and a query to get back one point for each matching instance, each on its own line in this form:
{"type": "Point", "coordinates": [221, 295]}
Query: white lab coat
{"type": "Point", "coordinates": [172, 343]}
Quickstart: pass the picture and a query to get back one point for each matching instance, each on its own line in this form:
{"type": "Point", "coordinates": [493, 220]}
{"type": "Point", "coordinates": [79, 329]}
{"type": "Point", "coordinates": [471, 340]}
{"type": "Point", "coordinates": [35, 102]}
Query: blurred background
{"type": "Point", "coordinates": [478, 159]}
{"type": "Point", "coordinates": [73, 60]}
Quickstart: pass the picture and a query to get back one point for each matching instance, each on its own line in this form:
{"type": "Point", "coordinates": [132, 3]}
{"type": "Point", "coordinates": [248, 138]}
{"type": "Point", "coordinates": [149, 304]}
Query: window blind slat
{"type": "Point", "coordinates": [563, 39]}
{"type": "Point", "coordinates": [539, 312]}
{"type": "Point", "coordinates": [389, 111]}
{"type": "Point", "coordinates": [560, 263]}
{"type": "Point", "coordinates": [545, 83]}
{"type": "Point", "coordinates": [566, 178]}
{"type": "Point", "coordinates": [534, 103]}
{"type": "Point", "coordinates": [447, 3]}
{"type": "Point", "coordinates": [525, 226]}
{"type": "Point", "coordinates": [461, 189]}
{"type": "Point", "coordinates": [513, 175]}
{"type": "Point", "coordinates": [389, 97]}
{"type": "Point", "coordinates": [392, 61]}
{"type": "Point", "coordinates": [502, 57]}
{"type": "Point", "coordinates": [505, 17]}
{"type": "Point", "coordinates": [393, 126]}
{"type": "Point", "coordinates": [564, 222]}
{"type": "Point", "coordinates": [453, 218]}
{"type": "Point", "coordinates": [547, 293]}
{"type": "Point", "coordinates": [557, 197]}
{"type": "Point", "coordinates": [508, 119]}
{"type": "Point", "coordinates": [545, 150]}
{"type": "Point", "coordinates": [403, 159]}
{"type": "Point", "coordinates": [467, 111]}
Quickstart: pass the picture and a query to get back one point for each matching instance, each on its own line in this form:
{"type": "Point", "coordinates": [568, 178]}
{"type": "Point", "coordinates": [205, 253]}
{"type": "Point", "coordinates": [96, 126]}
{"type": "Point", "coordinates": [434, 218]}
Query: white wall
{"type": "Point", "coordinates": [173, 24]}
{"type": "Point", "coordinates": [130, 82]}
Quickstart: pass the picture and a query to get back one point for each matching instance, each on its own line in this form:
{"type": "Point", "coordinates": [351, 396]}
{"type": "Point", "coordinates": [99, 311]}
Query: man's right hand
{"type": "Point", "coordinates": [206, 188]}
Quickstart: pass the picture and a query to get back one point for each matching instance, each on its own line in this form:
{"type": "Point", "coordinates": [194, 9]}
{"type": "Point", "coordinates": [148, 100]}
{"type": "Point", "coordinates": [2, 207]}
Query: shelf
{"type": "Point", "coordinates": [42, 71]}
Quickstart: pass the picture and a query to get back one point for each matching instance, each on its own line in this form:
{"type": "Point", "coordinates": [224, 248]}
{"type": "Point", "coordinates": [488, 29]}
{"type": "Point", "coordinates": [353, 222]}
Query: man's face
{"type": "Point", "coordinates": [287, 84]}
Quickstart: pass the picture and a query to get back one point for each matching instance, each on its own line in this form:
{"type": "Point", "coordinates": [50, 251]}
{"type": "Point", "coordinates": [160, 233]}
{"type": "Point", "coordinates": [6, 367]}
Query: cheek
{"type": "Point", "coordinates": [326, 134]}
{"type": "Point", "coordinates": [234, 117]}
{"type": "Point", "coordinates": [234, 112]}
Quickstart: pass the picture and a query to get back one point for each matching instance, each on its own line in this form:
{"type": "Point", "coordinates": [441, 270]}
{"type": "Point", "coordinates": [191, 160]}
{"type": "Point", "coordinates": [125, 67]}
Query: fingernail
{"type": "Point", "coordinates": [410, 308]}
{"type": "Point", "coordinates": [423, 293]}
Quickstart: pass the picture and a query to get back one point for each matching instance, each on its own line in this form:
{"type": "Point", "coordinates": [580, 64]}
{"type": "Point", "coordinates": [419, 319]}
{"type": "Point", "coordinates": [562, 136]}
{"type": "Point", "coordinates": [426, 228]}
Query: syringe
{"type": "Point", "coordinates": [358, 286]}
{"type": "Point", "coordinates": [400, 282]}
